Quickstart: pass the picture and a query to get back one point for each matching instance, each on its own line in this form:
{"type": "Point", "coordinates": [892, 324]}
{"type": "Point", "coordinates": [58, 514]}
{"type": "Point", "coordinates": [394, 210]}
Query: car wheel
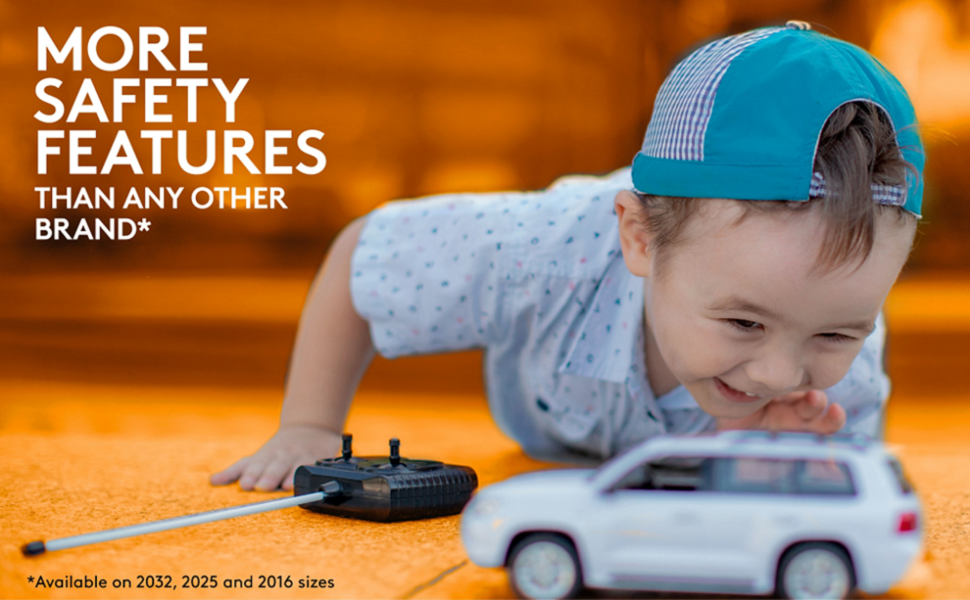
{"type": "Point", "coordinates": [815, 570]}
{"type": "Point", "coordinates": [545, 565]}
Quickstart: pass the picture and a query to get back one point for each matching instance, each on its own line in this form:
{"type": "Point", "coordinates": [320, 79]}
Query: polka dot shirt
{"type": "Point", "coordinates": [538, 280]}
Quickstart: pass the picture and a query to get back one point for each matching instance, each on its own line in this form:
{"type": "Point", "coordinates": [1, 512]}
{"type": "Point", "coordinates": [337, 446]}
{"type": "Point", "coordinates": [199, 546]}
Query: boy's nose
{"type": "Point", "coordinates": [776, 373]}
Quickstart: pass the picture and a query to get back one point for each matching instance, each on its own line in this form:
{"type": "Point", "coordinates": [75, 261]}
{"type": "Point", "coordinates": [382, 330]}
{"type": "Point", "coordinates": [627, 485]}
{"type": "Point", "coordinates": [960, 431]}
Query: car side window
{"type": "Point", "coordinates": [751, 475]}
{"type": "Point", "coordinates": [824, 477]}
{"type": "Point", "coordinates": [754, 475]}
{"type": "Point", "coordinates": [672, 473]}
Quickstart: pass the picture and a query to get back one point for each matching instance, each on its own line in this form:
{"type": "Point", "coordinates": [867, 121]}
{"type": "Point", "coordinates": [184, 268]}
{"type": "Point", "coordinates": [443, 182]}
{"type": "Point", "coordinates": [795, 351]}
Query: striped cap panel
{"type": "Point", "coordinates": [686, 99]}
{"type": "Point", "coordinates": [893, 195]}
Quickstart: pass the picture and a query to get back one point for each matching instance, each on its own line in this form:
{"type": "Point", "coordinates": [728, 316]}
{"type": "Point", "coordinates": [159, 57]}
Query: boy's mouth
{"type": "Point", "coordinates": [732, 394]}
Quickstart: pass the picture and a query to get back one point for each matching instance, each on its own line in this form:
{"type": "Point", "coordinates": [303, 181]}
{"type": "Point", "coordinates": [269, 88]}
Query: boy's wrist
{"type": "Point", "coordinates": [315, 427]}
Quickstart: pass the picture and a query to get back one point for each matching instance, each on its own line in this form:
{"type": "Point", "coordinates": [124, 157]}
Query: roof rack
{"type": "Point", "coordinates": [854, 440]}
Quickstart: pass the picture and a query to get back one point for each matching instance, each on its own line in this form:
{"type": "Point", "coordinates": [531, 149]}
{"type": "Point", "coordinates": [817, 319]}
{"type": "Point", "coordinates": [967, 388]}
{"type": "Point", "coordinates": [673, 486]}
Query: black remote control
{"type": "Point", "coordinates": [385, 488]}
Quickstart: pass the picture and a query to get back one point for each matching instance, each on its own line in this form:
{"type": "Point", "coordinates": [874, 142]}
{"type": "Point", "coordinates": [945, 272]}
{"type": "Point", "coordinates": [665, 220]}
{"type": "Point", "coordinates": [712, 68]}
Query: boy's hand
{"type": "Point", "coordinates": [798, 411]}
{"type": "Point", "coordinates": [273, 465]}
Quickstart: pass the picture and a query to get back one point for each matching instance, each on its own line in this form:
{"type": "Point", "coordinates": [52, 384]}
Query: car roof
{"type": "Point", "coordinates": [769, 440]}
{"type": "Point", "coordinates": [767, 444]}
{"type": "Point", "coordinates": [848, 441]}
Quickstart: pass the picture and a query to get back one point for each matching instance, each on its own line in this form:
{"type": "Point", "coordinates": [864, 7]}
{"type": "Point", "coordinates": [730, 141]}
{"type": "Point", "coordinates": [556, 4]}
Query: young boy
{"type": "Point", "coordinates": [739, 285]}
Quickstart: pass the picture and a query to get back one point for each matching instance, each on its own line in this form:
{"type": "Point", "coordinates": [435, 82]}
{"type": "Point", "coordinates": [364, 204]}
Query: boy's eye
{"type": "Point", "coordinates": [743, 324]}
{"type": "Point", "coordinates": [837, 337]}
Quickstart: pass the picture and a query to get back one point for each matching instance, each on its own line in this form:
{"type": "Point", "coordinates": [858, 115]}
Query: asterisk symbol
{"type": "Point", "coordinates": [144, 224]}
{"type": "Point", "coordinates": [30, 579]}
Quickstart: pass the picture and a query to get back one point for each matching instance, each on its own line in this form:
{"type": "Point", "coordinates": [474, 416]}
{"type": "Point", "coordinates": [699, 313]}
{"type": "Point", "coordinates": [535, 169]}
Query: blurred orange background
{"type": "Point", "coordinates": [414, 98]}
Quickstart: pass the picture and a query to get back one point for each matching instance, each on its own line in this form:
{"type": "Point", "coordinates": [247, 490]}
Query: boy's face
{"type": "Point", "coordinates": [740, 316]}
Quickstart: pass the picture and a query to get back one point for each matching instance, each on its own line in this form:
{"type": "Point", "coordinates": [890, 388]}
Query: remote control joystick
{"type": "Point", "coordinates": [348, 450]}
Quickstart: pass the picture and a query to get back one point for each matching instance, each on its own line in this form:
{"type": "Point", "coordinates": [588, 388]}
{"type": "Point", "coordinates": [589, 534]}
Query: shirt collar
{"type": "Point", "coordinates": [605, 346]}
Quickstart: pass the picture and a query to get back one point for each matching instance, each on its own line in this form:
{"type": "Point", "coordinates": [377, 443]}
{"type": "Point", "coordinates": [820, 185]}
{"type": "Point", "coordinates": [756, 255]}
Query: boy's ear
{"type": "Point", "coordinates": [634, 239]}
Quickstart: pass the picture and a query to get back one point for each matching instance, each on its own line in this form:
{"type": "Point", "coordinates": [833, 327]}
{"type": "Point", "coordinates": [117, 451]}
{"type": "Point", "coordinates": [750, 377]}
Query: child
{"type": "Point", "coordinates": [774, 203]}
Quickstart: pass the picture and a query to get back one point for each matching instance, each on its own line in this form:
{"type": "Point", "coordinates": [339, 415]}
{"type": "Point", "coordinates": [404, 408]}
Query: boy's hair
{"type": "Point", "coordinates": [856, 148]}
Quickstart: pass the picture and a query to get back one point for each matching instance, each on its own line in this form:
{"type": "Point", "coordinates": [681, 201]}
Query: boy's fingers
{"type": "Point", "coordinates": [251, 475]}
{"type": "Point", "coordinates": [272, 475]}
{"type": "Point", "coordinates": [790, 397]}
{"type": "Point", "coordinates": [288, 482]}
{"type": "Point", "coordinates": [833, 419]}
{"type": "Point", "coordinates": [229, 474]}
{"type": "Point", "coordinates": [811, 406]}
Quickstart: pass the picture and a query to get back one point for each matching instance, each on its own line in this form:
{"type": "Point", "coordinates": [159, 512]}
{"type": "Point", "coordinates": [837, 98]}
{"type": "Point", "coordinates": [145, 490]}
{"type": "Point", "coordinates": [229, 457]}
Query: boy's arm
{"type": "Point", "coordinates": [333, 348]}
{"type": "Point", "coordinates": [423, 276]}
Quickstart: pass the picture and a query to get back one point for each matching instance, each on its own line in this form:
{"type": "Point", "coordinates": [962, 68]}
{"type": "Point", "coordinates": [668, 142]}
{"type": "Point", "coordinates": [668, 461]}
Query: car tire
{"type": "Point", "coordinates": [817, 570]}
{"type": "Point", "coordinates": [545, 565]}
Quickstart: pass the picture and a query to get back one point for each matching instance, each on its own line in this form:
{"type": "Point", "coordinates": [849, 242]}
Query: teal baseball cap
{"type": "Point", "coordinates": [741, 117]}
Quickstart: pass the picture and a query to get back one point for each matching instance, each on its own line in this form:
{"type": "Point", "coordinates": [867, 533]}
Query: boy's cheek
{"type": "Point", "coordinates": [827, 369]}
{"type": "Point", "coordinates": [709, 358]}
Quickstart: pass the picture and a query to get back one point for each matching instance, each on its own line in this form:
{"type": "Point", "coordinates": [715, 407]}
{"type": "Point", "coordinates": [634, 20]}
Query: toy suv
{"type": "Point", "coordinates": [742, 512]}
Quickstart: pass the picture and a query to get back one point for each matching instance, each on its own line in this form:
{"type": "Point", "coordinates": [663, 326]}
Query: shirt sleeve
{"type": "Point", "coordinates": [865, 388]}
{"type": "Point", "coordinates": [430, 275]}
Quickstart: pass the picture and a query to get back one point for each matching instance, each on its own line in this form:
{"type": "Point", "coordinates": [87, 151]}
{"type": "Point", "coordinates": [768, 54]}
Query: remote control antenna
{"type": "Point", "coordinates": [395, 452]}
{"type": "Point", "coordinates": [348, 450]}
{"type": "Point", "coordinates": [39, 547]}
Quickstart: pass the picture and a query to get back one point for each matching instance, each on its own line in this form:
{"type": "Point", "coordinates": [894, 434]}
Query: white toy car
{"type": "Point", "coordinates": [743, 512]}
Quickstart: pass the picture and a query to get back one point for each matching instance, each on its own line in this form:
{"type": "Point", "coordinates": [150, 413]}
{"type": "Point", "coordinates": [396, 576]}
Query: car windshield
{"type": "Point", "coordinates": [607, 465]}
{"type": "Point", "coordinates": [672, 473]}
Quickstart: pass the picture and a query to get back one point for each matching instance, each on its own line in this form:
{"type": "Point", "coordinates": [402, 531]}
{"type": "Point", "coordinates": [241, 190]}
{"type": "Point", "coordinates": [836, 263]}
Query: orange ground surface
{"type": "Point", "coordinates": [81, 458]}
{"type": "Point", "coordinates": [119, 394]}
{"type": "Point", "coordinates": [78, 458]}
